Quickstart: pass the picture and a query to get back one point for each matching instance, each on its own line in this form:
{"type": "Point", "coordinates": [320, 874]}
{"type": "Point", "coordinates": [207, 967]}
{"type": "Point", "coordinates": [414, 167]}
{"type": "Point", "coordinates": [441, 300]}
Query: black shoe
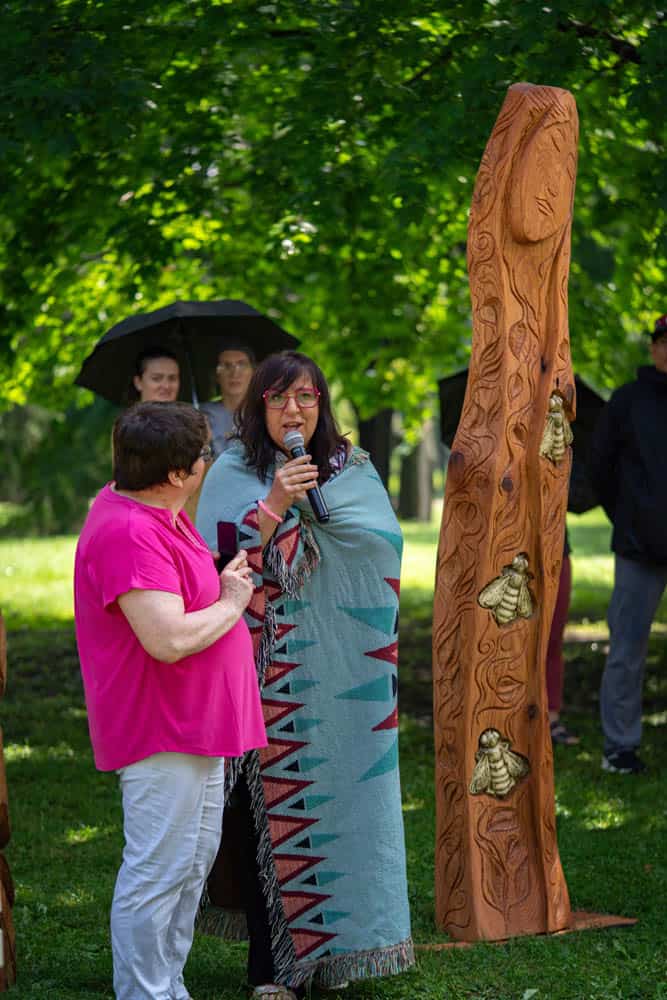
{"type": "Point", "coordinates": [561, 734]}
{"type": "Point", "coordinates": [623, 762]}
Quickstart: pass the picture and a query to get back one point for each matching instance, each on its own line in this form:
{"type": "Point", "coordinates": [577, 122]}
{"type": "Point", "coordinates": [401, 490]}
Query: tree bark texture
{"type": "Point", "coordinates": [415, 498]}
{"type": "Point", "coordinates": [498, 871]}
{"type": "Point", "coordinates": [375, 437]}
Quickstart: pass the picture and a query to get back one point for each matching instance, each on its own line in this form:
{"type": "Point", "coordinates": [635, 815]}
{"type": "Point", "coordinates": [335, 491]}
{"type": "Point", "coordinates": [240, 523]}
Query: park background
{"type": "Point", "coordinates": [315, 159]}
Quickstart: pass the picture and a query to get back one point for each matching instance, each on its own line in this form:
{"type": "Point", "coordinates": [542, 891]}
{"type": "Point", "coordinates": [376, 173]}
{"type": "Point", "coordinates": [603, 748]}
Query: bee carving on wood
{"type": "Point", "coordinates": [557, 434]}
{"type": "Point", "coordinates": [508, 597]}
{"type": "Point", "coordinates": [497, 769]}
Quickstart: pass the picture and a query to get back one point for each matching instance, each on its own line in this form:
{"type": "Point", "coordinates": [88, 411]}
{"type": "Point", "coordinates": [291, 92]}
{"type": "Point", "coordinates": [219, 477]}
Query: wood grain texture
{"type": "Point", "coordinates": [8, 943]}
{"type": "Point", "coordinates": [3, 656]}
{"type": "Point", "coordinates": [8, 963]}
{"type": "Point", "coordinates": [498, 872]}
{"type": "Point", "coordinates": [5, 829]}
{"type": "Point", "coordinates": [581, 920]}
{"type": "Point", "coordinates": [7, 880]}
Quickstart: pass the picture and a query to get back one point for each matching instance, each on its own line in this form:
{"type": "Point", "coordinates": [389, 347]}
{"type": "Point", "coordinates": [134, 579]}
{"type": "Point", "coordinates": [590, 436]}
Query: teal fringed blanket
{"type": "Point", "coordinates": [325, 793]}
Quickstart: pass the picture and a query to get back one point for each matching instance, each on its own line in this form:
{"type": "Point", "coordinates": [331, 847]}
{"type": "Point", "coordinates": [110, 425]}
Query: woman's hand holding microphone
{"type": "Point", "coordinates": [289, 485]}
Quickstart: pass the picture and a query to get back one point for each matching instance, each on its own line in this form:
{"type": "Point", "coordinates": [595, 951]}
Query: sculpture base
{"type": "Point", "coordinates": [582, 920]}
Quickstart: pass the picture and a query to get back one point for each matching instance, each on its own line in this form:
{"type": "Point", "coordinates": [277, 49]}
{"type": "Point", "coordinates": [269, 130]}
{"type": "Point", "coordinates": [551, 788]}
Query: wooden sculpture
{"type": "Point", "coordinates": [498, 871]}
{"type": "Point", "coordinates": [7, 943]}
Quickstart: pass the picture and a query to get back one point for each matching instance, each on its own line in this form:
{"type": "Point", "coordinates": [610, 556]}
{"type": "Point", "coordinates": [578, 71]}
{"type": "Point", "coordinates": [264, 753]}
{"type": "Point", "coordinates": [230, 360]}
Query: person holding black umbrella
{"type": "Point", "coordinates": [236, 363]}
{"type": "Point", "coordinates": [157, 377]}
{"type": "Point", "coordinates": [188, 332]}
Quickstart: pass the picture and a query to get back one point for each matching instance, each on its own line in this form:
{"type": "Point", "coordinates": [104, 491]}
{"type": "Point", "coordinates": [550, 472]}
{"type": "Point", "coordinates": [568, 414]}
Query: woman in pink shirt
{"type": "Point", "coordinates": [170, 685]}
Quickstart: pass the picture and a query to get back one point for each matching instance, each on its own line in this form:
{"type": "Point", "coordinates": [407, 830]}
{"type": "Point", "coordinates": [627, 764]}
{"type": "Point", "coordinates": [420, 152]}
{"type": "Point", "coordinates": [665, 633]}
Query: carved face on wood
{"type": "Point", "coordinates": [541, 194]}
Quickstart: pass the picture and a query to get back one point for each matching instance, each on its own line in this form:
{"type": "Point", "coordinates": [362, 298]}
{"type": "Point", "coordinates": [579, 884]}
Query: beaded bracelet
{"type": "Point", "coordinates": [269, 513]}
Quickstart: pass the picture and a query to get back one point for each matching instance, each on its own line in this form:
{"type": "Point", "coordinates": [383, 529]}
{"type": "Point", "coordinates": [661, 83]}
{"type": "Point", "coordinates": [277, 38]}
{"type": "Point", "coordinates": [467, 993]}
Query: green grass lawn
{"type": "Point", "coordinates": [66, 817]}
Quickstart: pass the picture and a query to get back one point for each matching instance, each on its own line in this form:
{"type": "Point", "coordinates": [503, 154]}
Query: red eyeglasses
{"type": "Point", "coordinates": [304, 398]}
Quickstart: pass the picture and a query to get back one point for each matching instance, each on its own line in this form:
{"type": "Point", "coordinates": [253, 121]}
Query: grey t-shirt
{"type": "Point", "coordinates": [222, 425]}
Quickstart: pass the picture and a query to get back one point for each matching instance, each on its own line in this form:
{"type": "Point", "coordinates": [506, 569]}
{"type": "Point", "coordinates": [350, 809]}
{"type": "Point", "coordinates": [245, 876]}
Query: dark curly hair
{"type": "Point", "coordinates": [277, 372]}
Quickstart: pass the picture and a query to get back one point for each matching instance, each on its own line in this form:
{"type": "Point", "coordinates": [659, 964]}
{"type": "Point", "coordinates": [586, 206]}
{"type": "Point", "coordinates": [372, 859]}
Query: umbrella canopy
{"type": "Point", "coordinates": [589, 404]}
{"type": "Point", "coordinates": [195, 332]}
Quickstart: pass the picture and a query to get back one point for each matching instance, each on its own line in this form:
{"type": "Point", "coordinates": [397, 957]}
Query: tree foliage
{"type": "Point", "coordinates": [317, 160]}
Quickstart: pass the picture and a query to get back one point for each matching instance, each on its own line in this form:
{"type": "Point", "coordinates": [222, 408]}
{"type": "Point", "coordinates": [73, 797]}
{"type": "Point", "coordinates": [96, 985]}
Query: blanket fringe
{"type": "Point", "coordinates": [228, 924]}
{"type": "Point", "coordinates": [266, 643]}
{"type": "Point", "coordinates": [291, 580]}
{"type": "Point", "coordinates": [333, 969]}
{"type": "Point", "coordinates": [282, 946]}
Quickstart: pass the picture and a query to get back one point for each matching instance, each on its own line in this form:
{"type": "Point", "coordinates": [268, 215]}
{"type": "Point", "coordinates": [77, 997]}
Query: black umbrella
{"type": "Point", "coordinates": [589, 404]}
{"type": "Point", "coordinates": [195, 332]}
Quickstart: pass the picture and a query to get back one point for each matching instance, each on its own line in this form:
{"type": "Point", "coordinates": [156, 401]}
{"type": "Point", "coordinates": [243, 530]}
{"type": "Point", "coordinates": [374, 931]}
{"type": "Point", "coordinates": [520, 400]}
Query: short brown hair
{"type": "Point", "coordinates": [150, 440]}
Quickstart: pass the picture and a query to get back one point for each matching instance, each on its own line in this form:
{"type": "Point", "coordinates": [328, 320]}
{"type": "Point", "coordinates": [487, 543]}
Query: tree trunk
{"type": "Point", "coordinates": [375, 437]}
{"type": "Point", "coordinates": [416, 491]}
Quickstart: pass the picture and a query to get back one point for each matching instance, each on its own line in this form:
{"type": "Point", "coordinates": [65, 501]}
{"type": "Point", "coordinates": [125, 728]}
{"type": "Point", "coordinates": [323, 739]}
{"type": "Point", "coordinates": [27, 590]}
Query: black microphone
{"type": "Point", "coordinates": [294, 443]}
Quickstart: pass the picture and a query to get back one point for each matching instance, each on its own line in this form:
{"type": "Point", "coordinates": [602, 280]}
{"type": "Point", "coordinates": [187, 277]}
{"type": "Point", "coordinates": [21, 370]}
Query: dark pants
{"type": "Point", "coordinates": [638, 588]}
{"type": "Point", "coordinates": [555, 663]}
{"type": "Point", "coordinates": [260, 959]}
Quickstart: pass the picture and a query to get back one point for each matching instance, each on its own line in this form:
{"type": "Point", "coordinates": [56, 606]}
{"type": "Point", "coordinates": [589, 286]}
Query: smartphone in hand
{"type": "Point", "coordinates": [226, 543]}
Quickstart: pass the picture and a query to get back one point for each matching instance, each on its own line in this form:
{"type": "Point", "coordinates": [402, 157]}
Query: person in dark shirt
{"type": "Point", "coordinates": [630, 478]}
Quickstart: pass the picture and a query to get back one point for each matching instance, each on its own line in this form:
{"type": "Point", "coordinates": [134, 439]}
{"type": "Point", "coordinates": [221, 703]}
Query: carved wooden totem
{"type": "Point", "coordinates": [7, 943]}
{"type": "Point", "coordinates": [498, 871]}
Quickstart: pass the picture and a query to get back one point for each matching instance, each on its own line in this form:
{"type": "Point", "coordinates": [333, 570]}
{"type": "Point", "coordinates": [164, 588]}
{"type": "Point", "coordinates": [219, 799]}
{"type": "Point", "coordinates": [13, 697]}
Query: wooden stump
{"type": "Point", "coordinates": [498, 872]}
{"type": "Point", "coordinates": [3, 656]}
{"type": "Point", "coordinates": [7, 938]}
{"type": "Point", "coordinates": [5, 829]}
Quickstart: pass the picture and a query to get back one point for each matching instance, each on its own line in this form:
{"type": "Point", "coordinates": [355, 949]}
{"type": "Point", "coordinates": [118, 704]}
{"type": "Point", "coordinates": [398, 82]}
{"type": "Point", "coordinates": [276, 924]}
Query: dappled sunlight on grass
{"type": "Point", "coordinates": [412, 805]}
{"type": "Point", "coordinates": [600, 813]}
{"type": "Point", "coordinates": [15, 752]}
{"type": "Point", "coordinates": [418, 570]}
{"type": "Point", "coordinates": [75, 713]}
{"type": "Point", "coordinates": [83, 834]}
{"type": "Point", "coordinates": [18, 751]}
{"type": "Point", "coordinates": [419, 555]}
{"type": "Point", "coordinates": [74, 897]}
{"type": "Point", "coordinates": [36, 581]}
{"type": "Point", "coordinates": [562, 810]}
{"type": "Point", "coordinates": [593, 570]}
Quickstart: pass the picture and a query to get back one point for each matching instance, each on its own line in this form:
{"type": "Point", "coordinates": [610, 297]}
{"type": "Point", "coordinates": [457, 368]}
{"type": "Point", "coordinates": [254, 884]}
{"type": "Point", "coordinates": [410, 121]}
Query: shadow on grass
{"type": "Point", "coordinates": [67, 840]}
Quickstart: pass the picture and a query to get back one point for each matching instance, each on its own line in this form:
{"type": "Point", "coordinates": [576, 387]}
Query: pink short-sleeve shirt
{"type": "Point", "coordinates": [206, 704]}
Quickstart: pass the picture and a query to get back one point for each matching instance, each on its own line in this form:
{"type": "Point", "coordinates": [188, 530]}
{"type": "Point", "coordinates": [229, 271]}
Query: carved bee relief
{"type": "Point", "coordinates": [557, 433]}
{"type": "Point", "coordinates": [497, 769]}
{"type": "Point", "coordinates": [508, 596]}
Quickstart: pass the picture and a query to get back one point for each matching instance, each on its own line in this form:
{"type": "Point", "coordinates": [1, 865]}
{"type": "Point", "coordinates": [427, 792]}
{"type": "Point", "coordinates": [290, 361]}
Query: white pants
{"type": "Point", "coordinates": [172, 819]}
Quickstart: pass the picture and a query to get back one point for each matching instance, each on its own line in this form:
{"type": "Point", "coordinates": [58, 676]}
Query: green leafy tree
{"type": "Point", "coordinates": [317, 160]}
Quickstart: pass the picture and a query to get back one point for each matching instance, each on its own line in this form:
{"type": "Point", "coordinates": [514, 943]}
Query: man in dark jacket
{"type": "Point", "coordinates": [629, 474]}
